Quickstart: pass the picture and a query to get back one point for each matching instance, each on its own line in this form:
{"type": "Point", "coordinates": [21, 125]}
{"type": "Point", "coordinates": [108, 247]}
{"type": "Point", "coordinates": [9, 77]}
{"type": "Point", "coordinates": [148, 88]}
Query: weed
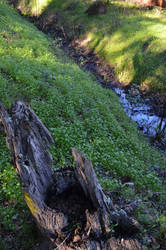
{"type": "Point", "coordinates": [77, 111]}
{"type": "Point", "coordinates": [130, 39]}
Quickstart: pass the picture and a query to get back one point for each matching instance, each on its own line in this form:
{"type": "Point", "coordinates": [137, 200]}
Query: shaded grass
{"type": "Point", "coordinates": [77, 111]}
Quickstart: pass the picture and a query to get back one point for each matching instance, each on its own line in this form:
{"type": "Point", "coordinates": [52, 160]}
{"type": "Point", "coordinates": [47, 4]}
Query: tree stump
{"type": "Point", "coordinates": [68, 204]}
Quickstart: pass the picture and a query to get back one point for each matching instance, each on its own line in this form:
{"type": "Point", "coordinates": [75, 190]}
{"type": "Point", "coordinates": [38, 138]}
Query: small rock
{"type": "Point", "coordinates": [76, 238]}
{"type": "Point", "coordinates": [148, 240]}
{"type": "Point", "coordinates": [132, 206]}
{"type": "Point", "coordinates": [71, 85]}
{"type": "Point", "coordinates": [156, 167]}
{"type": "Point", "coordinates": [153, 240]}
{"type": "Point", "coordinates": [129, 184]}
{"type": "Point", "coordinates": [123, 213]}
{"type": "Point", "coordinates": [125, 179]}
{"type": "Point", "coordinates": [135, 91]}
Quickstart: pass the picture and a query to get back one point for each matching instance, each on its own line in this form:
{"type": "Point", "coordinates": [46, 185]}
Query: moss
{"type": "Point", "coordinates": [30, 204]}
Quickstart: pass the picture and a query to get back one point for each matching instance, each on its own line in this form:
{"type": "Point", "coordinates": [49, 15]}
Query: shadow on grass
{"type": "Point", "coordinates": [148, 64]}
{"type": "Point", "coordinates": [125, 37]}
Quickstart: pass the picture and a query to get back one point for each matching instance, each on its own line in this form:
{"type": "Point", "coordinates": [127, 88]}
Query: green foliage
{"type": "Point", "coordinates": [77, 111]}
{"type": "Point", "coordinates": [129, 38]}
{"type": "Point", "coordinates": [109, 184]}
{"type": "Point", "coordinates": [162, 222]}
{"type": "Point", "coordinates": [10, 188]}
{"type": "Point", "coordinates": [9, 215]}
{"type": "Point", "coordinates": [2, 245]}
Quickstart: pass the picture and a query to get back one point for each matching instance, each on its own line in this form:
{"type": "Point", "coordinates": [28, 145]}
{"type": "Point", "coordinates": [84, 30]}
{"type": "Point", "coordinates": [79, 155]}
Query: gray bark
{"type": "Point", "coordinates": [61, 199]}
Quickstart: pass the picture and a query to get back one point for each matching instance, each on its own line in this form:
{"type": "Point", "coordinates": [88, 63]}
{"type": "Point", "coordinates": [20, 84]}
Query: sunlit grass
{"type": "Point", "coordinates": [130, 39]}
{"type": "Point", "coordinates": [136, 47]}
{"type": "Point", "coordinates": [33, 7]}
{"type": "Point", "coordinates": [59, 92]}
{"type": "Point", "coordinates": [76, 110]}
{"type": "Point", "coordinates": [64, 95]}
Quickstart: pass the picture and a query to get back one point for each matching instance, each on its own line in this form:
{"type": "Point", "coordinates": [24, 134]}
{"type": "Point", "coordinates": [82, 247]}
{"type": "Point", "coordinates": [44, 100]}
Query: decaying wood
{"type": "Point", "coordinates": [68, 204]}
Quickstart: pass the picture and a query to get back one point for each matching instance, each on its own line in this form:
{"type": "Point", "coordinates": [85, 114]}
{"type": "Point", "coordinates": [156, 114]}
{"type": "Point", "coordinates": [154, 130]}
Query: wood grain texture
{"type": "Point", "coordinates": [68, 203]}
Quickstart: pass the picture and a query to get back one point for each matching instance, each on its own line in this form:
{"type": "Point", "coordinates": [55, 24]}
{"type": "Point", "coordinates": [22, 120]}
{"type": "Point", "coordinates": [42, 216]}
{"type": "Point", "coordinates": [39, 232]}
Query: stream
{"type": "Point", "coordinates": [137, 107]}
{"type": "Point", "coordinates": [142, 113]}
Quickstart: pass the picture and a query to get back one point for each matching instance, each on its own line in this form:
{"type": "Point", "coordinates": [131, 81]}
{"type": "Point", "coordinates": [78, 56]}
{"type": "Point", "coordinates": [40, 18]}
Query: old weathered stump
{"type": "Point", "coordinates": [68, 203]}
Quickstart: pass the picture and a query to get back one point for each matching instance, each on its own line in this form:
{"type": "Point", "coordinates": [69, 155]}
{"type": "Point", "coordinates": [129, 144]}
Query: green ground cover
{"type": "Point", "coordinates": [79, 113]}
{"type": "Point", "coordinates": [130, 39]}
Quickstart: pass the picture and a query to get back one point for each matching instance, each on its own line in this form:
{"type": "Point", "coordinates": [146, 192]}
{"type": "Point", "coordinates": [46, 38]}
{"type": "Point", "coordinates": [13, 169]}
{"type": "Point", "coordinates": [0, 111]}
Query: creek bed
{"type": "Point", "coordinates": [140, 112]}
{"type": "Point", "coordinates": [134, 104]}
{"type": "Point", "coordinates": [137, 107]}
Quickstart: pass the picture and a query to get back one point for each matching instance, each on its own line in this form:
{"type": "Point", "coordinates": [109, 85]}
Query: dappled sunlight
{"type": "Point", "coordinates": [77, 110]}
{"type": "Point", "coordinates": [78, 113]}
{"type": "Point", "coordinates": [128, 38]}
{"type": "Point", "coordinates": [159, 29]}
{"type": "Point", "coordinates": [38, 6]}
{"type": "Point", "coordinates": [33, 7]}
{"type": "Point", "coordinates": [137, 39]}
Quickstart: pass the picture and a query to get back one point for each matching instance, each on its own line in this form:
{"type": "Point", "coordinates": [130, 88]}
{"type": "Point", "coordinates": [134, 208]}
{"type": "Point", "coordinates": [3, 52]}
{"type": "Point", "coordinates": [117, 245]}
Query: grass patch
{"type": "Point", "coordinates": [130, 39]}
{"type": "Point", "coordinates": [78, 112]}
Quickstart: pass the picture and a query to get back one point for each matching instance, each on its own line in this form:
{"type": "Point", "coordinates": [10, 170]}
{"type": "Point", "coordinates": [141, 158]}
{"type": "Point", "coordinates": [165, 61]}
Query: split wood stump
{"type": "Point", "coordinates": [68, 203]}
